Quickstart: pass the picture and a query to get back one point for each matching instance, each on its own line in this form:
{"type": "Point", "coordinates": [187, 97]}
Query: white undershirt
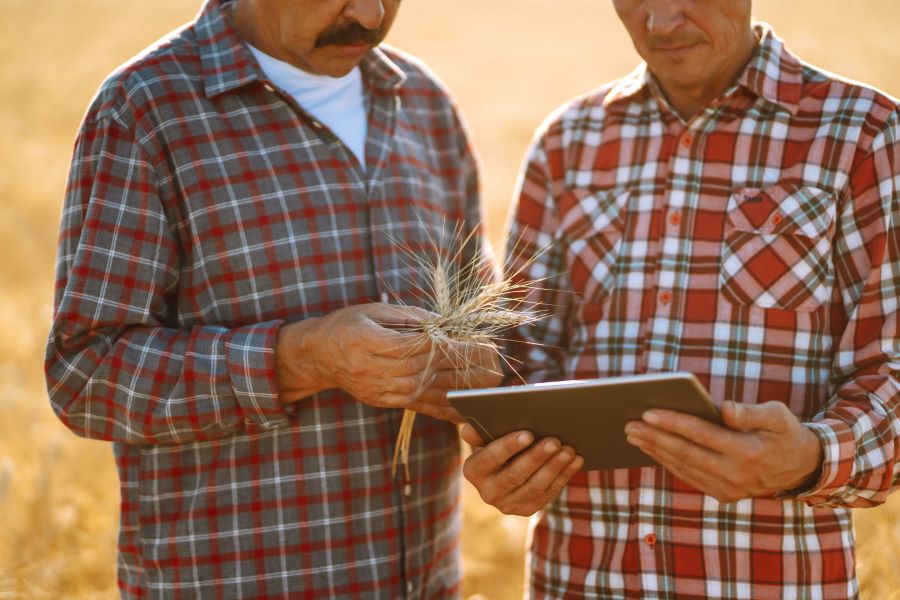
{"type": "Point", "coordinates": [338, 102]}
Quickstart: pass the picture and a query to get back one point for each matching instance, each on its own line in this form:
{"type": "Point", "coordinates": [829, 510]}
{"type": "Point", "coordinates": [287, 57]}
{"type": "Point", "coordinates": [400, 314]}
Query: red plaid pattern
{"type": "Point", "coordinates": [757, 246]}
{"type": "Point", "coordinates": [204, 209]}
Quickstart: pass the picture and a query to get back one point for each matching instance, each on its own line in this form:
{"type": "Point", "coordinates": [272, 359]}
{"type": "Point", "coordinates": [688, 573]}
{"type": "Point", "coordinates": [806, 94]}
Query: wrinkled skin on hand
{"type": "Point", "coordinates": [360, 350]}
{"type": "Point", "coordinates": [515, 475]}
{"type": "Point", "coordinates": [763, 449]}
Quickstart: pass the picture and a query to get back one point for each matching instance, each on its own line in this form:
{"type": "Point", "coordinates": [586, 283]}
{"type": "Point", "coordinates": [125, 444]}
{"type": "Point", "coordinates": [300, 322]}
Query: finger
{"type": "Point", "coordinates": [444, 413]}
{"type": "Point", "coordinates": [398, 392]}
{"type": "Point", "coordinates": [495, 455]}
{"type": "Point", "coordinates": [396, 344]}
{"type": "Point", "coordinates": [397, 315]}
{"type": "Point", "coordinates": [769, 416]}
{"type": "Point", "coordinates": [454, 379]}
{"type": "Point", "coordinates": [416, 364]}
{"type": "Point", "coordinates": [563, 478]}
{"type": "Point", "coordinates": [471, 436]}
{"type": "Point", "coordinates": [482, 354]}
{"type": "Point", "coordinates": [537, 486]}
{"type": "Point", "coordinates": [682, 450]}
{"type": "Point", "coordinates": [524, 466]}
{"type": "Point", "coordinates": [434, 396]}
{"type": "Point", "coordinates": [700, 431]}
{"type": "Point", "coordinates": [694, 478]}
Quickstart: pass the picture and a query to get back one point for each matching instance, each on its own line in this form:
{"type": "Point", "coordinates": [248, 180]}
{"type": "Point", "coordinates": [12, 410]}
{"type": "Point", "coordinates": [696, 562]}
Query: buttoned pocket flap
{"type": "Point", "coordinates": [783, 209]}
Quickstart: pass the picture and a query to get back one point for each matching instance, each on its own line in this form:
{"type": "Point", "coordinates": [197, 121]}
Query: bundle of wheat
{"type": "Point", "coordinates": [472, 307]}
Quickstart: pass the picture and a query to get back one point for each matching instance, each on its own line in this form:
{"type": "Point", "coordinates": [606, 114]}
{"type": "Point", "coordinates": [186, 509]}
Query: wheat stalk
{"type": "Point", "coordinates": [470, 305]}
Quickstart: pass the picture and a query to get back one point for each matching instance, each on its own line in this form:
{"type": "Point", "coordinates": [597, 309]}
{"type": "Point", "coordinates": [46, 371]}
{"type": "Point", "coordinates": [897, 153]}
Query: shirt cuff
{"type": "Point", "coordinates": [838, 455]}
{"type": "Point", "coordinates": [250, 355]}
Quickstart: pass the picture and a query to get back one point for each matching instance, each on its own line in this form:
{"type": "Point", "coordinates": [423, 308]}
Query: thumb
{"type": "Point", "coordinates": [768, 416]}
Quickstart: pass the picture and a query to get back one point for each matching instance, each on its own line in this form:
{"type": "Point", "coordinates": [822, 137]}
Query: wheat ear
{"type": "Point", "coordinates": [471, 307]}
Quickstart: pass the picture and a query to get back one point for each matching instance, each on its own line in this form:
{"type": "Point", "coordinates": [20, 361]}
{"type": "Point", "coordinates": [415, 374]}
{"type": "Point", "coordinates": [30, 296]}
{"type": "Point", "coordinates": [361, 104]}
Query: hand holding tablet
{"type": "Point", "coordinates": [589, 415]}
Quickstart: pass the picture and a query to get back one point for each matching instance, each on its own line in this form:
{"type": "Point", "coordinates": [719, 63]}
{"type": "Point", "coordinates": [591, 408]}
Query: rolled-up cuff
{"type": "Point", "coordinates": [250, 354]}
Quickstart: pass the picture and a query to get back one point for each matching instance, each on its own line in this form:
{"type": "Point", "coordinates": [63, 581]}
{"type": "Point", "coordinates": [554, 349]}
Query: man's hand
{"type": "Point", "coordinates": [464, 366]}
{"type": "Point", "coordinates": [359, 350]}
{"type": "Point", "coordinates": [515, 478]}
{"type": "Point", "coordinates": [762, 450]}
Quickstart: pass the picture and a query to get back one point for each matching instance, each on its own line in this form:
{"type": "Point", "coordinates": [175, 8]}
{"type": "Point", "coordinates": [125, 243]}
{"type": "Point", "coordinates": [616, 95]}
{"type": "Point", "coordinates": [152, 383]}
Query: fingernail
{"type": "Point", "coordinates": [550, 447]}
{"type": "Point", "coordinates": [651, 417]}
{"type": "Point", "coordinates": [564, 456]}
{"type": "Point", "coordinates": [523, 439]}
{"type": "Point", "coordinates": [632, 428]}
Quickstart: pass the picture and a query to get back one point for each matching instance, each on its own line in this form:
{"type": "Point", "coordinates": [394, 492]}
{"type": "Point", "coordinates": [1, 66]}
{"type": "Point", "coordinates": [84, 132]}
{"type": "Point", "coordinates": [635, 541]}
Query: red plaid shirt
{"type": "Point", "coordinates": [204, 209]}
{"type": "Point", "coordinates": [757, 246]}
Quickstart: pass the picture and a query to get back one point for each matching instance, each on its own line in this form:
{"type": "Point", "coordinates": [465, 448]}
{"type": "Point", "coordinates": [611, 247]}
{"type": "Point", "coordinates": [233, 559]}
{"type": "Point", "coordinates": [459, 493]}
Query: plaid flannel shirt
{"type": "Point", "coordinates": [756, 245]}
{"type": "Point", "coordinates": [205, 209]}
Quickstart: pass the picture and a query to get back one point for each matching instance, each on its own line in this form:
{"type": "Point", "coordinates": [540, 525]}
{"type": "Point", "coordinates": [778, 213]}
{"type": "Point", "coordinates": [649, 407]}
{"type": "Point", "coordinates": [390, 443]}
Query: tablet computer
{"type": "Point", "coordinates": [589, 415]}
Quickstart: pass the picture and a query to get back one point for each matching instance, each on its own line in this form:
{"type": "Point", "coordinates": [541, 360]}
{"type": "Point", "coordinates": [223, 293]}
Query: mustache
{"type": "Point", "coordinates": [656, 42]}
{"type": "Point", "coordinates": [349, 34]}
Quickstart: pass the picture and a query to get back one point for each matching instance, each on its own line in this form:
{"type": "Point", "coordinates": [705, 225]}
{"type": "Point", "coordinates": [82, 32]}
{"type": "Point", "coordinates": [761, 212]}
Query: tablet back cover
{"type": "Point", "coordinates": [590, 418]}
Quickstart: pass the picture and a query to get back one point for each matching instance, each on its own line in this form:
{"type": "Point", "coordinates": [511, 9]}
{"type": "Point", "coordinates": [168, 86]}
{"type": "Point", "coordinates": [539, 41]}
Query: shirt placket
{"type": "Point", "coordinates": [680, 198]}
{"type": "Point", "coordinates": [383, 109]}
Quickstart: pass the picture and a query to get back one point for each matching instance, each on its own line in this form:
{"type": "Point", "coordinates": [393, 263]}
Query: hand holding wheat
{"type": "Point", "coordinates": [358, 349]}
{"type": "Point", "coordinates": [471, 308]}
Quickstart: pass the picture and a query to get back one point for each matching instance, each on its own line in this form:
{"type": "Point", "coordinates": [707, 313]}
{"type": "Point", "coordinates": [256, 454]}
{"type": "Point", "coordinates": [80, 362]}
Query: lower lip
{"type": "Point", "coordinates": [677, 50]}
{"type": "Point", "coordinates": [354, 50]}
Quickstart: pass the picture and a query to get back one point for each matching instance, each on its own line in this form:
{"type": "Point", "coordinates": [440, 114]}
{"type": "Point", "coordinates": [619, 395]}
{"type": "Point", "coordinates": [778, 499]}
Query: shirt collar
{"type": "Point", "coordinates": [228, 64]}
{"type": "Point", "coordinates": [773, 74]}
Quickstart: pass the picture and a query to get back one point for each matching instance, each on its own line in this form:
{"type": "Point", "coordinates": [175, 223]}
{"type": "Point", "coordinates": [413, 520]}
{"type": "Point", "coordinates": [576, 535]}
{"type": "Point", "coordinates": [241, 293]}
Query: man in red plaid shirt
{"type": "Point", "coordinates": [229, 240]}
{"type": "Point", "coordinates": [731, 211]}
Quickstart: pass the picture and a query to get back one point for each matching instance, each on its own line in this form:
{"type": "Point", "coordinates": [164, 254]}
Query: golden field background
{"type": "Point", "coordinates": [510, 62]}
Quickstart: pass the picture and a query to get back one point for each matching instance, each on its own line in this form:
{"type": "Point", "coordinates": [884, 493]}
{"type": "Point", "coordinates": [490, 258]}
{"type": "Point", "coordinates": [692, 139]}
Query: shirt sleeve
{"type": "Point", "coordinates": [534, 254]}
{"type": "Point", "coordinates": [118, 364]}
{"type": "Point", "coordinates": [860, 427]}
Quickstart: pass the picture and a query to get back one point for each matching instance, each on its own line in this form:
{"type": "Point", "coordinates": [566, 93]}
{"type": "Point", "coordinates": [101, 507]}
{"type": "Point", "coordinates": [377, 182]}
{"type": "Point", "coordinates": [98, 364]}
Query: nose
{"type": "Point", "coordinates": [368, 13]}
{"type": "Point", "coordinates": [664, 17]}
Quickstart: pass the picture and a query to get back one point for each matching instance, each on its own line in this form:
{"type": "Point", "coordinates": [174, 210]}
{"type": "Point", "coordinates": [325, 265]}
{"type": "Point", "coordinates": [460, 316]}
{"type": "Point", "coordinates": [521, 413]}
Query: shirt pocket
{"type": "Point", "coordinates": [777, 251]}
{"type": "Point", "coordinates": [592, 225]}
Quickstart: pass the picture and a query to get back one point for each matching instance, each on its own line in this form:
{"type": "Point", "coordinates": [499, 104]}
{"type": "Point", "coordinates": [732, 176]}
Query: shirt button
{"type": "Point", "coordinates": [665, 296]}
{"type": "Point", "coordinates": [410, 587]}
{"type": "Point", "coordinates": [268, 87]}
{"type": "Point", "coordinates": [777, 218]}
{"type": "Point", "coordinates": [316, 125]}
{"type": "Point", "coordinates": [650, 539]}
{"type": "Point", "coordinates": [687, 139]}
{"type": "Point", "coordinates": [675, 218]}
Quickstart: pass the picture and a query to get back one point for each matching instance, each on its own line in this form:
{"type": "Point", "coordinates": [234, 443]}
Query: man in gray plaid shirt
{"type": "Point", "coordinates": [228, 246]}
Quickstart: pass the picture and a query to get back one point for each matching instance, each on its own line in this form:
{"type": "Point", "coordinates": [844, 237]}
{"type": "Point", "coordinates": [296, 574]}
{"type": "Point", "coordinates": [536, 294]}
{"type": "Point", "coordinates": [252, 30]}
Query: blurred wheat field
{"type": "Point", "coordinates": [509, 62]}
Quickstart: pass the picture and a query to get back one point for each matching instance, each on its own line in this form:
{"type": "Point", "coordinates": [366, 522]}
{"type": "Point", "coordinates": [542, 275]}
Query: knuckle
{"type": "Point", "coordinates": [514, 476]}
{"type": "Point", "coordinates": [533, 489]}
{"type": "Point", "coordinates": [510, 509]}
{"type": "Point", "coordinates": [490, 496]}
{"type": "Point", "coordinates": [469, 471]}
{"type": "Point", "coordinates": [409, 386]}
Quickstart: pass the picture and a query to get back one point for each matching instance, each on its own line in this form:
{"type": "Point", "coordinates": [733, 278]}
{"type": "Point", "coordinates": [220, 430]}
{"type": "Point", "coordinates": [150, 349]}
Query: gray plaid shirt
{"type": "Point", "coordinates": [204, 209]}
